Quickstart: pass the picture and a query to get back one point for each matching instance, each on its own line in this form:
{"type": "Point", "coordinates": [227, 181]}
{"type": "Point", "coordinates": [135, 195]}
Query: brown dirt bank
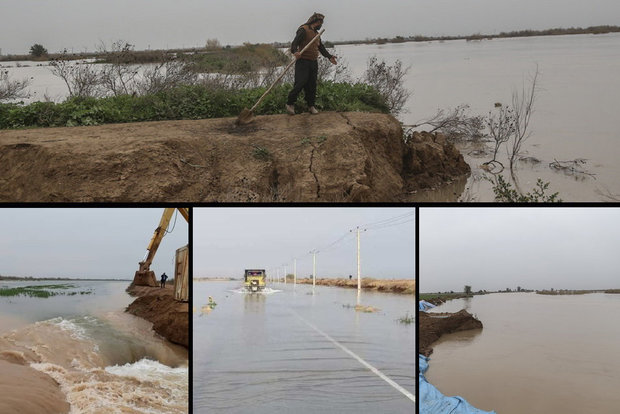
{"type": "Point", "coordinates": [28, 391]}
{"type": "Point", "coordinates": [170, 318]}
{"type": "Point", "coordinates": [405, 286]}
{"type": "Point", "coordinates": [329, 157]}
{"type": "Point", "coordinates": [432, 328]}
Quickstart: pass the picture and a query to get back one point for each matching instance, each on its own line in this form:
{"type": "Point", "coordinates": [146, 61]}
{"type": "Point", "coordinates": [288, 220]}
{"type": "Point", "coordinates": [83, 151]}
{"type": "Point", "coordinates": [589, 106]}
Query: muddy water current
{"type": "Point", "coordinates": [535, 354]}
{"type": "Point", "coordinates": [103, 359]}
{"type": "Point", "coordinates": [294, 351]}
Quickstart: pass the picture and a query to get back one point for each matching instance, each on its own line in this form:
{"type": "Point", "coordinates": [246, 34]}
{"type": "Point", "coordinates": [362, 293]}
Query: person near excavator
{"type": "Point", "coordinates": [306, 65]}
{"type": "Point", "coordinates": [163, 279]}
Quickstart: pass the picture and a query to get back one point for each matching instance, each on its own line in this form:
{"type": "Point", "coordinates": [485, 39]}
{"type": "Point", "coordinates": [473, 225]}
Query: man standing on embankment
{"type": "Point", "coordinates": [306, 66]}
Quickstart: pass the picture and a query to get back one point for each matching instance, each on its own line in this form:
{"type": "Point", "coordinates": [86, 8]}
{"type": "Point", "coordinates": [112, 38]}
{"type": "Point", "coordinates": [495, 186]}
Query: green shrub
{"type": "Point", "coordinates": [185, 102]}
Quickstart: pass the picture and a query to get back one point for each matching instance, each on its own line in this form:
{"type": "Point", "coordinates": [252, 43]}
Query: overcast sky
{"type": "Point", "coordinates": [229, 240]}
{"type": "Point", "coordinates": [82, 24]}
{"type": "Point", "coordinates": [102, 243]}
{"type": "Point", "coordinates": [535, 248]}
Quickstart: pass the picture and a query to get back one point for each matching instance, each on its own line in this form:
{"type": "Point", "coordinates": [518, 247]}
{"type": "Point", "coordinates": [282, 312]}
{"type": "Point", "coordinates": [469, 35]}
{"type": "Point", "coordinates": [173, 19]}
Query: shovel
{"type": "Point", "coordinates": [245, 117]}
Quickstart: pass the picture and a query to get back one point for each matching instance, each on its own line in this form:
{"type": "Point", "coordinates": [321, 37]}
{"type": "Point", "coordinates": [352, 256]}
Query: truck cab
{"type": "Point", "coordinates": [255, 280]}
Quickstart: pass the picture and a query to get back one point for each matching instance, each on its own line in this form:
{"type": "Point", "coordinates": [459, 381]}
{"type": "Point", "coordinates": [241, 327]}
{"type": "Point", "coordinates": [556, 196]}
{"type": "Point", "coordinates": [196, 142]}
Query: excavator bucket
{"type": "Point", "coordinates": [145, 278]}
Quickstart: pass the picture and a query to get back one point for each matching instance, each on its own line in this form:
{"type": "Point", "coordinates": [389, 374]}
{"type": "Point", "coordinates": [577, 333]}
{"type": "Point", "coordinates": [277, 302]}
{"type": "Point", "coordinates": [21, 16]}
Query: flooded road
{"type": "Point", "coordinates": [292, 351]}
{"type": "Point", "coordinates": [535, 354]}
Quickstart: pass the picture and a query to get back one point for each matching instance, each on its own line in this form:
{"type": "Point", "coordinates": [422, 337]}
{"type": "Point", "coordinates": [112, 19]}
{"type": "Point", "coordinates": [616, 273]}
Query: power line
{"type": "Point", "coordinates": [392, 224]}
{"type": "Point", "coordinates": [387, 220]}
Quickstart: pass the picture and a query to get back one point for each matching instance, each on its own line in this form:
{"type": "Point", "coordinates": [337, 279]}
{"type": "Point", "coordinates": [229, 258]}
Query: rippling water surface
{"type": "Point", "coordinates": [287, 351]}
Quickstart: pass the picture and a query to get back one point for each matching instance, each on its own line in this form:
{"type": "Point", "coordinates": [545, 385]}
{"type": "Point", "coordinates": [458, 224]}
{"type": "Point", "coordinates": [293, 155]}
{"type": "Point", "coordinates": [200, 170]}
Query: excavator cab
{"type": "Point", "coordinates": [255, 280]}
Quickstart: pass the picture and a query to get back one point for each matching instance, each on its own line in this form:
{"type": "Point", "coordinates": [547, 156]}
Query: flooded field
{"type": "Point", "coordinates": [574, 112]}
{"type": "Point", "coordinates": [294, 351]}
{"type": "Point", "coordinates": [104, 359]}
{"type": "Point", "coordinates": [536, 354]}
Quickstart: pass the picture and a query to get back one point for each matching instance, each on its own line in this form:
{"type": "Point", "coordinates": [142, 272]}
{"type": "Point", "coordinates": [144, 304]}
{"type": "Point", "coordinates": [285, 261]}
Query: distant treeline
{"type": "Point", "coordinates": [575, 292]}
{"type": "Point", "coordinates": [59, 278]}
{"type": "Point", "coordinates": [478, 36]}
{"type": "Point", "coordinates": [197, 54]}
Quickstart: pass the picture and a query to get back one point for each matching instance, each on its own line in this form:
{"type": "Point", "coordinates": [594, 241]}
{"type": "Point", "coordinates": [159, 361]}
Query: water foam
{"type": "Point", "coordinates": [65, 352]}
{"type": "Point", "coordinates": [266, 291]}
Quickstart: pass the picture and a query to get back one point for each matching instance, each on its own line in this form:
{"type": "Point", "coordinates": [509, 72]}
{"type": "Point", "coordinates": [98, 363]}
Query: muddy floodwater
{"type": "Point", "coordinates": [103, 359]}
{"type": "Point", "coordinates": [574, 112]}
{"type": "Point", "coordinates": [536, 354]}
{"type": "Point", "coordinates": [574, 117]}
{"type": "Point", "coordinates": [292, 351]}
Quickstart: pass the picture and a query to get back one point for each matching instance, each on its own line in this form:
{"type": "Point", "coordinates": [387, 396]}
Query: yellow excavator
{"type": "Point", "coordinates": [146, 277]}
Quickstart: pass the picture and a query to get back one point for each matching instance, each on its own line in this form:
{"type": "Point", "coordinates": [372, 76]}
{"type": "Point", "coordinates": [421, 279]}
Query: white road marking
{"type": "Point", "coordinates": [359, 359]}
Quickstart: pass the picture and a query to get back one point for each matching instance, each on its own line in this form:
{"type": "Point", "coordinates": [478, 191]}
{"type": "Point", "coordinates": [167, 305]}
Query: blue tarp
{"type": "Point", "coordinates": [434, 402]}
{"type": "Point", "coordinates": [424, 305]}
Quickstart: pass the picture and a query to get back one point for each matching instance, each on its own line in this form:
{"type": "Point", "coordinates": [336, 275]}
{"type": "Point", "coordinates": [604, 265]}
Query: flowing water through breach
{"type": "Point", "coordinates": [103, 359]}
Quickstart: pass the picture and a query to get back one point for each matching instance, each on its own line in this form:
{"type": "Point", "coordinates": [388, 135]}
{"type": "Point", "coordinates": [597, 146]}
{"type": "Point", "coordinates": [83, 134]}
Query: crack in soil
{"type": "Point", "coordinates": [348, 120]}
{"type": "Point", "coordinates": [318, 186]}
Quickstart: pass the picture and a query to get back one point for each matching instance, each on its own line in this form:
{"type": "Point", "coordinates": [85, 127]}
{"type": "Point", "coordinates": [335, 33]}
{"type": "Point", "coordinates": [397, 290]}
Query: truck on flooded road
{"type": "Point", "coordinates": [255, 280]}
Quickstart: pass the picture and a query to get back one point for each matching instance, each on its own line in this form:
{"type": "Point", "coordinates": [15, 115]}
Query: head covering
{"type": "Point", "coordinates": [315, 17]}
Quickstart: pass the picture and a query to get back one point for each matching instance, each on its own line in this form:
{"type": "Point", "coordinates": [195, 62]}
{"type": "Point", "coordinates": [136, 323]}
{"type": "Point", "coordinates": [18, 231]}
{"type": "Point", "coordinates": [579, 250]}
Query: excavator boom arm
{"type": "Point", "coordinates": [158, 235]}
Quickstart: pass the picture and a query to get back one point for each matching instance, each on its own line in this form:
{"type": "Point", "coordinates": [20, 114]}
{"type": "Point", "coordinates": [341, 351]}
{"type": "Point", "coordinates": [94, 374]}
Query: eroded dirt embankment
{"type": "Point", "coordinates": [404, 286]}
{"type": "Point", "coordinates": [434, 325]}
{"type": "Point", "coordinates": [170, 318]}
{"type": "Point", "coordinates": [328, 157]}
{"type": "Point", "coordinates": [26, 390]}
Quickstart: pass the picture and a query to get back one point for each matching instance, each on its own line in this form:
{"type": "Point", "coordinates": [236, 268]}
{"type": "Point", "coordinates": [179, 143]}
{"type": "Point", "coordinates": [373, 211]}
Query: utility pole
{"type": "Point", "coordinates": [285, 273]}
{"type": "Point", "coordinates": [314, 252]}
{"type": "Point", "coordinates": [359, 273]}
{"type": "Point", "coordinates": [278, 274]}
{"type": "Point", "coordinates": [294, 273]}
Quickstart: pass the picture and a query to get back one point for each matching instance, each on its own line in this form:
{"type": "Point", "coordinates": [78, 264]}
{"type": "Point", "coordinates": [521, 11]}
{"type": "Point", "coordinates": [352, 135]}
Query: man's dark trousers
{"type": "Point", "coordinates": [306, 72]}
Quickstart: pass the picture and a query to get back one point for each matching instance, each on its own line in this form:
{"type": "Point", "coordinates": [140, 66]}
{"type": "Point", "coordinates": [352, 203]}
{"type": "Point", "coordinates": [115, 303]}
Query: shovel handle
{"type": "Point", "coordinates": [286, 70]}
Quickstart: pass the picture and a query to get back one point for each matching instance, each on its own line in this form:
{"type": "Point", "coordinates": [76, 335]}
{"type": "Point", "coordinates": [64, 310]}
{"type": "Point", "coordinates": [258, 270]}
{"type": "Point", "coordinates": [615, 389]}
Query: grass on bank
{"type": "Point", "coordinates": [186, 102]}
{"type": "Point", "coordinates": [443, 297]}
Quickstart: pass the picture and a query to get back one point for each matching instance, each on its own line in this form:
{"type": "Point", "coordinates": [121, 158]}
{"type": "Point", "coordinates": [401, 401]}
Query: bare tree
{"type": "Point", "coordinates": [117, 76]}
{"type": "Point", "coordinates": [165, 76]}
{"type": "Point", "coordinates": [389, 81]}
{"type": "Point", "coordinates": [523, 108]}
{"type": "Point", "coordinates": [456, 124]}
{"type": "Point", "coordinates": [12, 89]}
{"type": "Point", "coordinates": [213, 44]}
{"type": "Point", "coordinates": [82, 78]}
{"type": "Point", "coordinates": [501, 126]}
{"type": "Point", "coordinates": [335, 73]}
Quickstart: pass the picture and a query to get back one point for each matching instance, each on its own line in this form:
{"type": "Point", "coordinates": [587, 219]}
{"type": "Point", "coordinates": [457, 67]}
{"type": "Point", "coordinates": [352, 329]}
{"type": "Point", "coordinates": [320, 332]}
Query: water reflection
{"type": "Point", "coordinates": [254, 303]}
{"type": "Point", "coordinates": [467, 303]}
